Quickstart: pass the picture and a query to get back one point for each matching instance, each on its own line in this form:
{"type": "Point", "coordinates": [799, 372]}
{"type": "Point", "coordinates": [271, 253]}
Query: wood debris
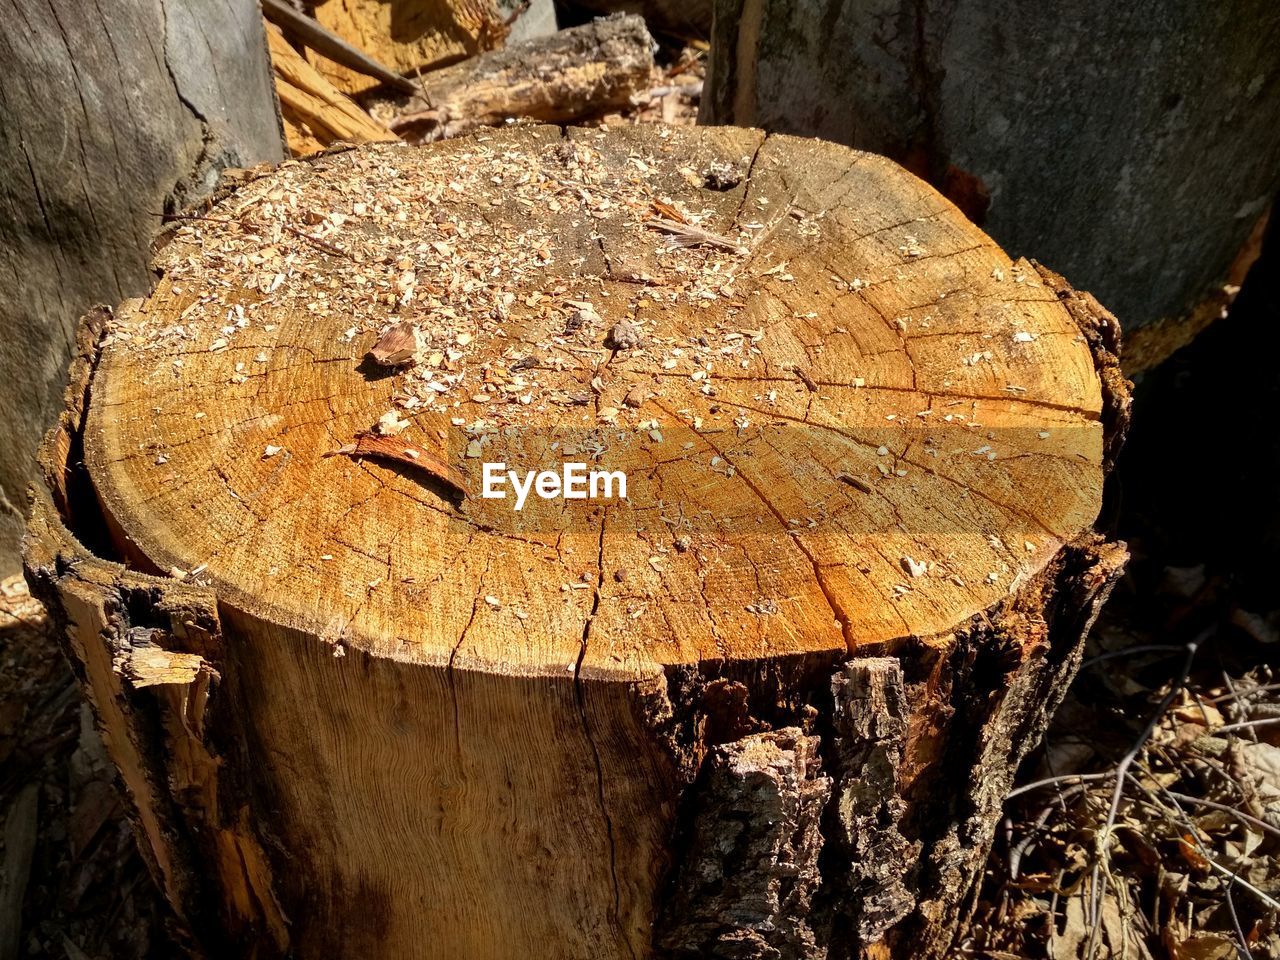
{"type": "Point", "coordinates": [624, 335]}
{"type": "Point", "coordinates": [398, 347]}
{"type": "Point", "coordinates": [856, 482]}
{"type": "Point", "coordinates": [577, 72]}
{"type": "Point", "coordinates": [691, 235]}
{"type": "Point", "coordinates": [315, 113]}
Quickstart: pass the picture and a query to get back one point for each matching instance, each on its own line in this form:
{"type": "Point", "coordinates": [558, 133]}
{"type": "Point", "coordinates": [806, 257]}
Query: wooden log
{"type": "Point", "coordinates": [315, 113]}
{"type": "Point", "coordinates": [765, 704]}
{"type": "Point", "coordinates": [1036, 118]}
{"type": "Point", "coordinates": [112, 115]}
{"type": "Point", "coordinates": [581, 72]}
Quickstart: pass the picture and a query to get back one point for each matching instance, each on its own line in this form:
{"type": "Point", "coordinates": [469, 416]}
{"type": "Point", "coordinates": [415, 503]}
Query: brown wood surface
{"type": "Point", "coordinates": [111, 114]}
{"type": "Point", "coordinates": [315, 113]}
{"type": "Point", "coordinates": [407, 35]}
{"type": "Point", "coordinates": [769, 705]}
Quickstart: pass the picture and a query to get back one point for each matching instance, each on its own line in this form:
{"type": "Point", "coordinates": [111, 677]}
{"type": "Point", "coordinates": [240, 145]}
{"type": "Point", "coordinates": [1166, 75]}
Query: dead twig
{"type": "Point", "coordinates": [1098, 882]}
{"type": "Point", "coordinates": [301, 234]}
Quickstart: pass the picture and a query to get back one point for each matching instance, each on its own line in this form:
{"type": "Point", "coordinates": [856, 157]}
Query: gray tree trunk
{"type": "Point", "coordinates": [111, 113]}
{"type": "Point", "coordinates": [1133, 147]}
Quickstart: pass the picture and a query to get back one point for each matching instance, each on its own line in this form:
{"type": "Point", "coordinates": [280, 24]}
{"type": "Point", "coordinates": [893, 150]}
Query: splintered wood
{"type": "Point", "coordinates": [408, 35]}
{"type": "Point", "coordinates": [849, 425]}
{"type": "Point", "coordinates": [315, 113]}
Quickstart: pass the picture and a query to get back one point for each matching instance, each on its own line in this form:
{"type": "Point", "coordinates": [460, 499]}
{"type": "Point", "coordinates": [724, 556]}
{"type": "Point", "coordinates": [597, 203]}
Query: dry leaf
{"type": "Point", "coordinates": [409, 454]}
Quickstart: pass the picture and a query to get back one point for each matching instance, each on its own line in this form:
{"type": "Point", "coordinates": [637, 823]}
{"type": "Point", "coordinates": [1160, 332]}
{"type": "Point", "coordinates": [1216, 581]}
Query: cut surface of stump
{"type": "Point", "coordinates": [864, 452]}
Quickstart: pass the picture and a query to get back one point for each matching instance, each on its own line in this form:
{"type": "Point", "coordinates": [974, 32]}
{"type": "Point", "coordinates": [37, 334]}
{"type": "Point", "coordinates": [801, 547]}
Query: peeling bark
{"type": "Point", "coordinates": [872, 835]}
{"type": "Point", "coordinates": [745, 887]}
{"type": "Point", "coordinates": [871, 717]}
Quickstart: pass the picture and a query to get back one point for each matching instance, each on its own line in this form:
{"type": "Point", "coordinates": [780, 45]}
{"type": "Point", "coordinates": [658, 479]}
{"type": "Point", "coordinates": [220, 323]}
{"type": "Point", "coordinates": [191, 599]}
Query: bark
{"type": "Point", "coordinates": [1035, 118]}
{"type": "Point", "coordinates": [354, 693]}
{"type": "Point", "coordinates": [111, 115]}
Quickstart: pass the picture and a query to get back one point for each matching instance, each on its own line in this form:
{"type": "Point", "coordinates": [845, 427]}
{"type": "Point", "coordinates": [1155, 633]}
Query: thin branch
{"type": "Point", "coordinates": [1065, 778]}
{"type": "Point", "coordinates": [688, 235]}
{"type": "Point", "coordinates": [1213, 805]}
{"type": "Point", "coordinates": [1097, 882]}
{"type": "Point", "coordinates": [1246, 725]}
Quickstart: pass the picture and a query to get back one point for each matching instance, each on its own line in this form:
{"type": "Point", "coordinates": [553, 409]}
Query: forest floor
{"type": "Point", "coordinates": [1183, 863]}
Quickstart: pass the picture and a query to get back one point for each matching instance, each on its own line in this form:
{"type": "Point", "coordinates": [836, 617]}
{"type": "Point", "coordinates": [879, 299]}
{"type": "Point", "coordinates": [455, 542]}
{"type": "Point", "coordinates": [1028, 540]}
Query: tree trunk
{"type": "Point", "coordinates": [1136, 149]}
{"type": "Point", "coordinates": [767, 704]}
{"type": "Point", "coordinates": [111, 114]}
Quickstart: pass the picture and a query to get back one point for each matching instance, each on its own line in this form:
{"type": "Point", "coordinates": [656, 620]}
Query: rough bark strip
{"type": "Point", "coordinates": [913, 777]}
{"type": "Point", "coordinates": [1004, 681]}
{"type": "Point", "coordinates": [111, 113]}
{"type": "Point", "coordinates": [746, 885]}
{"type": "Point", "coordinates": [1101, 330]}
{"type": "Point", "coordinates": [871, 716]}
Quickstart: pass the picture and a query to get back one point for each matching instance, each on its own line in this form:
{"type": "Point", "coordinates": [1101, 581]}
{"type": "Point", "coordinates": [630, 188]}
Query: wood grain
{"type": "Point", "coordinates": [1134, 150]}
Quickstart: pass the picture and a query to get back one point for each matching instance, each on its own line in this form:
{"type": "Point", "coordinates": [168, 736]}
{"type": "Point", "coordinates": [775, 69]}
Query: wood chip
{"type": "Point", "coordinates": [398, 347]}
{"type": "Point", "coordinates": [687, 235]}
{"type": "Point", "coordinates": [856, 482]}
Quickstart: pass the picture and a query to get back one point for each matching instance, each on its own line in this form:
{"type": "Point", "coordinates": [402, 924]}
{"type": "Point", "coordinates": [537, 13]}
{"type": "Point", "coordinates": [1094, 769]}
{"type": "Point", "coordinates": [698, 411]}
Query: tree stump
{"type": "Point", "coordinates": [766, 705]}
